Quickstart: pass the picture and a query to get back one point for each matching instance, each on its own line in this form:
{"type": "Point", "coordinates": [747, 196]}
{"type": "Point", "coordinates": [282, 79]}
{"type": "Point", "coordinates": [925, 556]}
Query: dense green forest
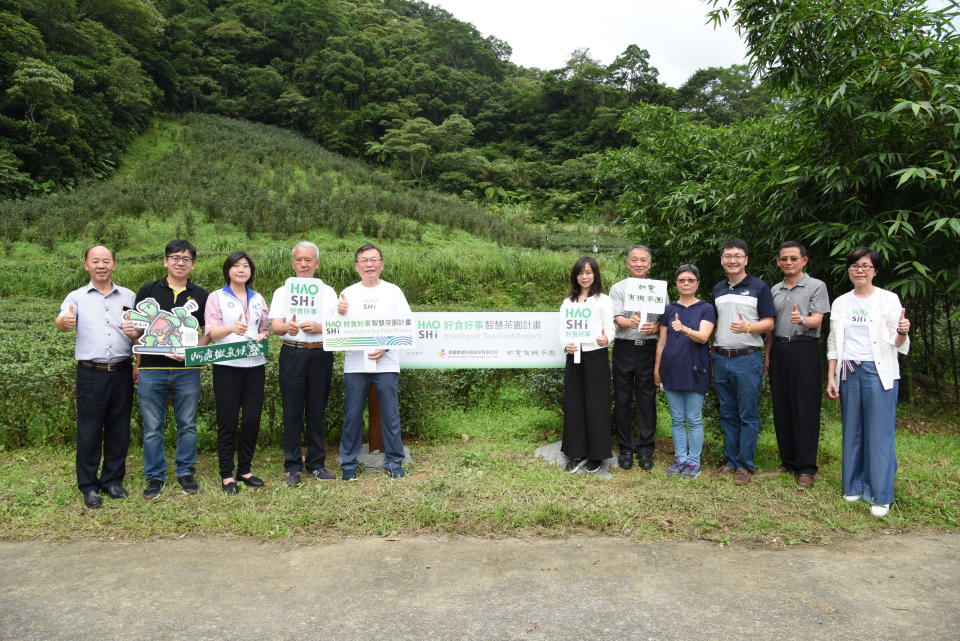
{"type": "Point", "coordinates": [843, 131]}
{"type": "Point", "coordinates": [402, 83]}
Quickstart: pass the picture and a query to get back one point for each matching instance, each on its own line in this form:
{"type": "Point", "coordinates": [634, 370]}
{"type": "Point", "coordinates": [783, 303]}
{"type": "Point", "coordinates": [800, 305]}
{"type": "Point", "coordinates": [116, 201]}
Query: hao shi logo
{"type": "Point", "coordinates": [165, 332]}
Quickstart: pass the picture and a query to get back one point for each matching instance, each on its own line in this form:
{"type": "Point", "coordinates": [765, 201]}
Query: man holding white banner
{"type": "Point", "coordinates": [306, 369]}
{"type": "Point", "coordinates": [636, 312]}
{"type": "Point", "coordinates": [379, 367]}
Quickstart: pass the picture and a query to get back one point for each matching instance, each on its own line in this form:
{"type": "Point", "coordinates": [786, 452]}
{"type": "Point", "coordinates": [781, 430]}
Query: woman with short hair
{"type": "Point", "coordinates": [234, 314]}
{"type": "Point", "coordinates": [868, 328]}
{"type": "Point", "coordinates": [682, 367]}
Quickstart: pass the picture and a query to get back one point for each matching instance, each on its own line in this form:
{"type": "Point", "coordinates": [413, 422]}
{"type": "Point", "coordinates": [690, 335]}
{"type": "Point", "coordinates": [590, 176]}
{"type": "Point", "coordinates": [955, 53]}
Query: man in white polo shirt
{"type": "Point", "coordinates": [373, 296]}
{"type": "Point", "coordinates": [306, 371]}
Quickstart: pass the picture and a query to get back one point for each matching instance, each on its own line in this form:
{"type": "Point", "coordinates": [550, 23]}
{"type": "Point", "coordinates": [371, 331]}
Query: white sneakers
{"type": "Point", "coordinates": [876, 510]}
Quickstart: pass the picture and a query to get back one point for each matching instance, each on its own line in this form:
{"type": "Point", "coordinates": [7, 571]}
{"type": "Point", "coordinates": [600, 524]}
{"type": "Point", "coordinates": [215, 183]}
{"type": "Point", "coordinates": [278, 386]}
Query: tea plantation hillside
{"type": "Point", "coordinates": [225, 185]}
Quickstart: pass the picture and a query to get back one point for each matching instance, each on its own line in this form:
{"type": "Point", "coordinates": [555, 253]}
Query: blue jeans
{"type": "Point", "coordinates": [686, 407]}
{"type": "Point", "coordinates": [869, 416]}
{"type": "Point", "coordinates": [736, 381]}
{"type": "Point", "coordinates": [355, 389]}
{"type": "Point", "coordinates": [156, 385]}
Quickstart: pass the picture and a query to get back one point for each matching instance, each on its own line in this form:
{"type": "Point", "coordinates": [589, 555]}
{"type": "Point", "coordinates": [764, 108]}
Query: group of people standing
{"type": "Point", "coordinates": [691, 344]}
{"type": "Point", "coordinates": [99, 313]}
{"type": "Point", "coordinates": [754, 329]}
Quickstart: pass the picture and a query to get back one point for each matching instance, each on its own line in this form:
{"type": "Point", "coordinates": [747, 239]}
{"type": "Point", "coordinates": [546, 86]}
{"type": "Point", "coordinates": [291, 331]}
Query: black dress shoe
{"type": "Point", "coordinates": [645, 462]}
{"type": "Point", "coordinates": [231, 488]}
{"type": "Point", "coordinates": [116, 492]}
{"type": "Point", "coordinates": [250, 481]}
{"type": "Point", "coordinates": [92, 499]}
{"type": "Point", "coordinates": [625, 460]}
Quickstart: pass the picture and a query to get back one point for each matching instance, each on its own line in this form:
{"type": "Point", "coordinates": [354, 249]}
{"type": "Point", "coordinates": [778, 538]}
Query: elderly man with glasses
{"type": "Point", "coordinates": [793, 363]}
{"type": "Point", "coordinates": [744, 313]}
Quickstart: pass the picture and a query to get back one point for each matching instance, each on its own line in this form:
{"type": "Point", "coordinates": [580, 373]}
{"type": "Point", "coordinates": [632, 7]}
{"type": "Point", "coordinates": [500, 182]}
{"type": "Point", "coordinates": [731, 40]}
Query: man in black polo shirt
{"type": "Point", "coordinates": [744, 313]}
{"type": "Point", "coordinates": [164, 376]}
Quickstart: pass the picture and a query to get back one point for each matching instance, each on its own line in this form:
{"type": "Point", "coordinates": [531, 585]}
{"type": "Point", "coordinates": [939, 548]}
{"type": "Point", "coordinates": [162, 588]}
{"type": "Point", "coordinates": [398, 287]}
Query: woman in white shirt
{"type": "Point", "coordinates": [586, 385]}
{"type": "Point", "coordinates": [234, 314]}
{"type": "Point", "coordinates": [868, 328]}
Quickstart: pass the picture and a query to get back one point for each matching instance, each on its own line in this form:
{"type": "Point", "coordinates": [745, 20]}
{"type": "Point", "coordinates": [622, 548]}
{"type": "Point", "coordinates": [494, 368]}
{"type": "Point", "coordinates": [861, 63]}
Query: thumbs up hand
{"type": "Point", "coordinates": [292, 328]}
{"type": "Point", "coordinates": [70, 318]}
{"type": "Point", "coordinates": [342, 305]}
{"type": "Point", "coordinates": [602, 340]}
{"type": "Point", "coordinates": [795, 317]}
{"type": "Point", "coordinates": [740, 326]}
{"type": "Point", "coordinates": [239, 327]}
{"type": "Point", "coordinates": [676, 324]}
{"type": "Point", "coordinates": [903, 325]}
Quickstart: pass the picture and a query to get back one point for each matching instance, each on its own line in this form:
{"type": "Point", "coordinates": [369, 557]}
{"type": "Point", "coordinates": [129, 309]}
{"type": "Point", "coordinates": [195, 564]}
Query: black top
{"type": "Point", "coordinates": [160, 291]}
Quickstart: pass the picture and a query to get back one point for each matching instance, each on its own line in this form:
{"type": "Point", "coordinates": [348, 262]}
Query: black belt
{"type": "Point", "coordinates": [796, 339]}
{"type": "Point", "coordinates": [640, 342]}
{"type": "Point", "coordinates": [730, 353]}
{"type": "Point", "coordinates": [108, 367]}
{"type": "Point", "coordinates": [299, 345]}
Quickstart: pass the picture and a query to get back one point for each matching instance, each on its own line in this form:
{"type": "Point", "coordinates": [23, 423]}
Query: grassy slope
{"type": "Point", "coordinates": [201, 177]}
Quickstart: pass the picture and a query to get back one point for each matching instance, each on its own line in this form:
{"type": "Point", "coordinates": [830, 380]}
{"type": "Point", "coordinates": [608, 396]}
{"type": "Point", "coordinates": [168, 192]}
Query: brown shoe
{"type": "Point", "coordinates": [726, 470]}
{"type": "Point", "coordinates": [805, 481]}
{"type": "Point", "coordinates": [743, 476]}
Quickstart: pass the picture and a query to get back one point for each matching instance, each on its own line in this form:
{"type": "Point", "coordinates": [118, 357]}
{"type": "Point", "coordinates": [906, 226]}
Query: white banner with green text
{"type": "Point", "coordinates": [500, 340]}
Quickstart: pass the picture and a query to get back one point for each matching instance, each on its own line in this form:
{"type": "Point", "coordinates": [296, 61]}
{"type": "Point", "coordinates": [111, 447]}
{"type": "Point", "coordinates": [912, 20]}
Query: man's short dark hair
{"type": "Point", "coordinates": [734, 243]}
{"type": "Point", "coordinates": [86, 254]}
{"type": "Point", "coordinates": [792, 243]}
{"type": "Point", "coordinates": [367, 247]}
{"type": "Point", "coordinates": [177, 246]}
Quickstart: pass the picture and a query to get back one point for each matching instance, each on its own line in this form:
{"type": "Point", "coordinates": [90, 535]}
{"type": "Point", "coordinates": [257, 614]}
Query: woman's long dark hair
{"type": "Point", "coordinates": [595, 288]}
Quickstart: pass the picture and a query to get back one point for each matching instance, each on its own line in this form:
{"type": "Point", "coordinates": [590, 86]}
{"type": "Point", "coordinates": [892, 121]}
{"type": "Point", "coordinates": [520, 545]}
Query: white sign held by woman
{"type": "Point", "coordinates": [579, 323]}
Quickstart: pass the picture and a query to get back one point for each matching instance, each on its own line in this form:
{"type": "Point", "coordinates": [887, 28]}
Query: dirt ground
{"type": "Point", "coordinates": [905, 587]}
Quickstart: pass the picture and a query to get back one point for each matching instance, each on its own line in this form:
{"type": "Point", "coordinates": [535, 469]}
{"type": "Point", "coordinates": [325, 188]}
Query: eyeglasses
{"type": "Point", "coordinates": [686, 280]}
{"type": "Point", "coordinates": [173, 258]}
{"type": "Point", "coordinates": [369, 261]}
{"type": "Point", "coordinates": [788, 259]}
{"type": "Point", "coordinates": [733, 256]}
{"type": "Point", "coordinates": [860, 267]}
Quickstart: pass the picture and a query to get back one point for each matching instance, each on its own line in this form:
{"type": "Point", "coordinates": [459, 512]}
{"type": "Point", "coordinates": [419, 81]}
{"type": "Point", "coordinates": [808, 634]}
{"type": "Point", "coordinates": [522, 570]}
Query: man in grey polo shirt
{"type": "Point", "coordinates": [744, 313]}
{"type": "Point", "coordinates": [634, 355]}
{"type": "Point", "coordinates": [793, 363]}
{"type": "Point", "coordinates": [105, 377]}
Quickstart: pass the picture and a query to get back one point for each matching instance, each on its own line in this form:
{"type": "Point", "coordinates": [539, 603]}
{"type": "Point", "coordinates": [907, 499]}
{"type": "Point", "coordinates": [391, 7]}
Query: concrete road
{"type": "Point", "coordinates": [436, 588]}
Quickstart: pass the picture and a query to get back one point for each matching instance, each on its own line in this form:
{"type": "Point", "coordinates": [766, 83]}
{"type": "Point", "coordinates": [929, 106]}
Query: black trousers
{"type": "Point", "coordinates": [236, 390]}
{"type": "Point", "coordinates": [305, 376]}
{"type": "Point", "coordinates": [586, 406]}
{"type": "Point", "coordinates": [795, 389]}
{"type": "Point", "coordinates": [104, 400]}
{"type": "Point", "coordinates": [633, 377]}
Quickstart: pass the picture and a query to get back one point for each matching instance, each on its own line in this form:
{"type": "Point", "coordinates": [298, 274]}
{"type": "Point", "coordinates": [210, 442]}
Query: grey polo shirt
{"type": "Point", "coordinates": [750, 297]}
{"type": "Point", "coordinates": [617, 298]}
{"type": "Point", "coordinates": [810, 297]}
{"type": "Point", "coordinates": [100, 335]}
